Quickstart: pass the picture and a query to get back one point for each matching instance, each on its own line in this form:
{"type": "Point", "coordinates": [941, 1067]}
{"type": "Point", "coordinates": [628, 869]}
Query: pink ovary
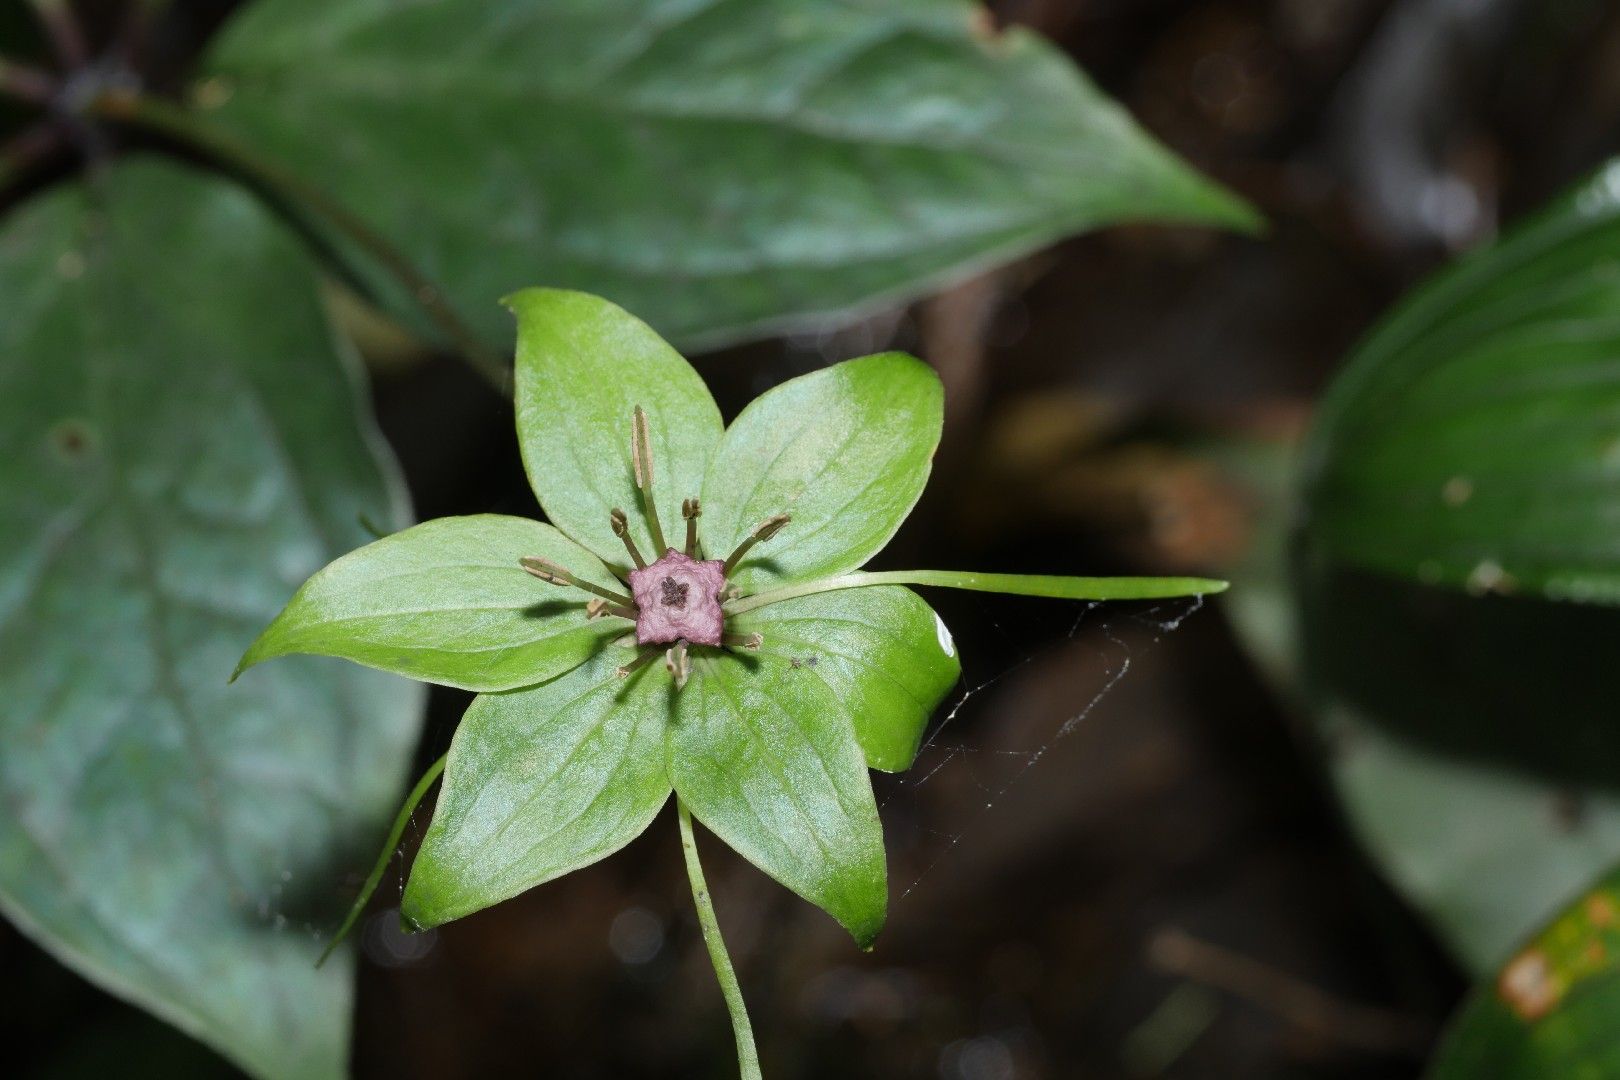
{"type": "Point", "coordinates": [679, 597]}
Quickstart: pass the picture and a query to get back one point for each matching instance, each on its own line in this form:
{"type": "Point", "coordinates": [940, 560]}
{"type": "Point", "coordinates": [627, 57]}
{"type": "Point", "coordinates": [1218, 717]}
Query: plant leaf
{"type": "Point", "coordinates": [1471, 442]}
{"type": "Point", "coordinates": [1554, 1008]}
{"type": "Point", "coordinates": [541, 782]}
{"type": "Point", "coordinates": [183, 445]}
{"type": "Point", "coordinates": [765, 756]}
{"type": "Point", "coordinates": [719, 167]}
{"type": "Point", "coordinates": [846, 450]}
{"type": "Point", "coordinates": [884, 654]}
{"type": "Point", "coordinates": [583, 365]}
{"type": "Point", "coordinates": [446, 601]}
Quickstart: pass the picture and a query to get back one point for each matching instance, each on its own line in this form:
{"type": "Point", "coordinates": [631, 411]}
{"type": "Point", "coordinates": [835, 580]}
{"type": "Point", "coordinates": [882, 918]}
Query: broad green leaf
{"type": "Point", "coordinates": [583, 365]}
{"type": "Point", "coordinates": [884, 654]}
{"type": "Point", "coordinates": [446, 601]}
{"type": "Point", "coordinates": [1474, 440]}
{"type": "Point", "coordinates": [846, 450]}
{"type": "Point", "coordinates": [183, 446]}
{"type": "Point", "coordinates": [716, 166]}
{"type": "Point", "coordinates": [1553, 1009]}
{"type": "Point", "coordinates": [541, 782]}
{"type": "Point", "coordinates": [764, 755]}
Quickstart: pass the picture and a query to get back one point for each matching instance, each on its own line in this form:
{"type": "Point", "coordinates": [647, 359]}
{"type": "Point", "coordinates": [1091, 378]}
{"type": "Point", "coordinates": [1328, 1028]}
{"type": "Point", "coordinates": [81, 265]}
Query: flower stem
{"type": "Point", "coordinates": [25, 82]}
{"type": "Point", "coordinates": [1055, 587]}
{"type": "Point", "coordinates": [747, 1056]}
{"type": "Point", "coordinates": [172, 122]}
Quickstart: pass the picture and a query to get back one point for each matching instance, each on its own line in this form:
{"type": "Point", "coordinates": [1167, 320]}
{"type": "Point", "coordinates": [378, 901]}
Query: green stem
{"type": "Point", "coordinates": [386, 857]}
{"type": "Point", "coordinates": [183, 126]}
{"type": "Point", "coordinates": [1054, 587]}
{"type": "Point", "coordinates": [747, 1056]}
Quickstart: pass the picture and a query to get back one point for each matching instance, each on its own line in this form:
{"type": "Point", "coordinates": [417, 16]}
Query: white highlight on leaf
{"type": "Point", "coordinates": [947, 644]}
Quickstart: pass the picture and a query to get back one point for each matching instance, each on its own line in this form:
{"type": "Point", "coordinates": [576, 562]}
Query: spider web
{"type": "Point", "coordinates": [960, 750]}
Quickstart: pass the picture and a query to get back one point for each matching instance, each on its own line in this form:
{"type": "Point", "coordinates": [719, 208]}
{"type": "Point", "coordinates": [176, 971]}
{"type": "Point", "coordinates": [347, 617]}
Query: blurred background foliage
{"type": "Point", "coordinates": [1286, 842]}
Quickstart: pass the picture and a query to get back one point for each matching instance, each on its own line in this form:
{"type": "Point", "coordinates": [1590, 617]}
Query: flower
{"type": "Point", "coordinates": [788, 672]}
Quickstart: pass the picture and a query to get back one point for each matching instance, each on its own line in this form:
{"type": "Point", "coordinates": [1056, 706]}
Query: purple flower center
{"type": "Point", "coordinates": [679, 597]}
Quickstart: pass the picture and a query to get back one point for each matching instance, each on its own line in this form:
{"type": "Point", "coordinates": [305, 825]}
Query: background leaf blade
{"type": "Point", "coordinates": [181, 466]}
{"type": "Point", "coordinates": [629, 148]}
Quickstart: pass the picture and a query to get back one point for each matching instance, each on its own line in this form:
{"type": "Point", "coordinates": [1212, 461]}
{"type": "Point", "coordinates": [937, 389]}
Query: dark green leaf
{"type": "Point", "coordinates": [717, 167]}
{"type": "Point", "coordinates": [884, 654]}
{"type": "Point", "coordinates": [765, 756]}
{"type": "Point", "coordinates": [446, 601]}
{"type": "Point", "coordinates": [846, 450]}
{"type": "Point", "coordinates": [1553, 1010]}
{"type": "Point", "coordinates": [1474, 440]}
{"type": "Point", "coordinates": [583, 365]}
{"type": "Point", "coordinates": [541, 782]}
{"type": "Point", "coordinates": [183, 447]}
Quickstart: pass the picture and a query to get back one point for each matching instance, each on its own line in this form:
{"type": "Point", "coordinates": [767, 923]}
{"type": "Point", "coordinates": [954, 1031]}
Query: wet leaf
{"type": "Point", "coordinates": [184, 446]}
{"type": "Point", "coordinates": [718, 167]}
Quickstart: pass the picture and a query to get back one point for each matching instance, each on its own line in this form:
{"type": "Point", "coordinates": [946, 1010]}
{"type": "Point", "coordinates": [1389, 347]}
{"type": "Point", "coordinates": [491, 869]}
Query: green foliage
{"type": "Point", "coordinates": [1472, 442]}
{"type": "Point", "coordinates": [883, 652]}
{"type": "Point", "coordinates": [718, 167]}
{"type": "Point", "coordinates": [445, 602]}
{"type": "Point", "coordinates": [769, 741]}
{"type": "Point", "coordinates": [1454, 573]}
{"type": "Point", "coordinates": [183, 445]}
{"type": "Point", "coordinates": [847, 495]}
{"type": "Point", "coordinates": [171, 472]}
{"type": "Point", "coordinates": [540, 782]}
{"type": "Point", "coordinates": [1550, 1010]}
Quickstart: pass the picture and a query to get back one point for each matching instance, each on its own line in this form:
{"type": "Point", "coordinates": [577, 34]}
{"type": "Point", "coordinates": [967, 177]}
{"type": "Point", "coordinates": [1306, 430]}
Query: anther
{"type": "Point", "coordinates": [691, 510]}
{"type": "Point", "coordinates": [546, 570]}
{"type": "Point", "coordinates": [641, 462]}
{"type": "Point", "coordinates": [596, 609]}
{"type": "Point", "coordinates": [621, 529]}
{"type": "Point", "coordinates": [742, 641]}
{"type": "Point", "coordinates": [624, 671]}
{"type": "Point", "coordinates": [762, 532]}
{"type": "Point", "coordinates": [678, 664]}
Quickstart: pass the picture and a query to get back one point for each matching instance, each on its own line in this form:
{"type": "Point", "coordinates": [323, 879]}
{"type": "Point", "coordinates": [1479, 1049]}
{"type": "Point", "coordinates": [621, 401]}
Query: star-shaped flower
{"type": "Point", "coordinates": [787, 673]}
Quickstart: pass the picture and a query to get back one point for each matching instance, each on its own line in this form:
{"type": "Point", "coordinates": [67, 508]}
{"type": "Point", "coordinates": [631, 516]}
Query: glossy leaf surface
{"type": "Point", "coordinates": [447, 602]}
{"type": "Point", "coordinates": [1474, 441]}
{"type": "Point", "coordinates": [845, 450]}
{"type": "Point", "coordinates": [583, 365]}
{"type": "Point", "coordinates": [884, 654]}
{"type": "Point", "coordinates": [183, 447]}
{"type": "Point", "coordinates": [541, 782]}
{"type": "Point", "coordinates": [764, 755]}
{"type": "Point", "coordinates": [716, 166]}
{"type": "Point", "coordinates": [1553, 1009]}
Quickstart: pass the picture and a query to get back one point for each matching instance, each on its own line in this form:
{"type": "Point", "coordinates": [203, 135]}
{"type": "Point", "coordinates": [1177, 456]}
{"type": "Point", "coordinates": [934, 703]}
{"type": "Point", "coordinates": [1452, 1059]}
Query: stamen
{"type": "Point", "coordinates": [596, 609]}
{"type": "Point", "coordinates": [621, 529]}
{"type": "Point", "coordinates": [765, 530]}
{"type": "Point", "coordinates": [626, 670]}
{"type": "Point", "coordinates": [546, 570]}
{"type": "Point", "coordinates": [691, 510]}
{"type": "Point", "coordinates": [678, 664]}
{"type": "Point", "coordinates": [742, 641]}
{"type": "Point", "coordinates": [641, 461]}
